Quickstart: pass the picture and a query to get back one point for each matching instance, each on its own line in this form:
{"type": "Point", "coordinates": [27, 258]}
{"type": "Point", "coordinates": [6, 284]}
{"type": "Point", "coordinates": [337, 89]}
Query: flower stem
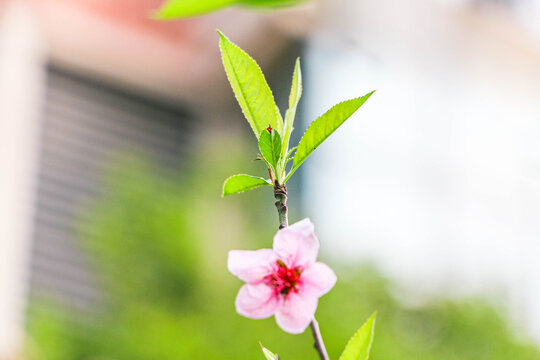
{"type": "Point", "coordinates": [280, 193]}
{"type": "Point", "coordinates": [319, 343]}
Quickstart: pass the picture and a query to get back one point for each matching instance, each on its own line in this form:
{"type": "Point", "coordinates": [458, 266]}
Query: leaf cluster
{"type": "Point", "coordinates": [271, 130]}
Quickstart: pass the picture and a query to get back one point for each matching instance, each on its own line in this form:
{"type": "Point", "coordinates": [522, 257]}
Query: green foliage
{"type": "Point", "coordinates": [268, 354]}
{"type": "Point", "coordinates": [323, 127]}
{"type": "Point", "coordinates": [242, 182]}
{"type": "Point", "coordinates": [258, 105]}
{"type": "Point", "coordinates": [158, 244]}
{"type": "Point", "coordinates": [270, 146]}
{"type": "Point", "coordinates": [271, 3]}
{"type": "Point", "coordinates": [296, 87]}
{"type": "Point", "coordinates": [294, 99]}
{"type": "Point", "coordinates": [359, 346]}
{"type": "Point", "coordinates": [179, 9]}
{"type": "Point", "coordinates": [250, 87]}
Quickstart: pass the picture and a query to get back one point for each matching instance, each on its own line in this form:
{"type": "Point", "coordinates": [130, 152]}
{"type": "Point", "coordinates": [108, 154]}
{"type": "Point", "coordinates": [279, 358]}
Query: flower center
{"type": "Point", "coordinates": [283, 279]}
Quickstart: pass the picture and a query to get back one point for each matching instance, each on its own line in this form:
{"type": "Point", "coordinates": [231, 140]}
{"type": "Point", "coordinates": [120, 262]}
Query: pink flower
{"type": "Point", "coordinates": [286, 281]}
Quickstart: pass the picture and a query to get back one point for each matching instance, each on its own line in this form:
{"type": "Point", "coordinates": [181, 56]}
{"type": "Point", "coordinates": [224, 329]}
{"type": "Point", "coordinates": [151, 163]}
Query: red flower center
{"type": "Point", "coordinates": [283, 279]}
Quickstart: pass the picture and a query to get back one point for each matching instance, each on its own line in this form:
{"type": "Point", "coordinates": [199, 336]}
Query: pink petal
{"type": "Point", "coordinates": [317, 279]}
{"type": "Point", "coordinates": [296, 312]}
{"type": "Point", "coordinates": [250, 266]}
{"type": "Point", "coordinates": [297, 244]}
{"type": "Point", "coordinates": [256, 301]}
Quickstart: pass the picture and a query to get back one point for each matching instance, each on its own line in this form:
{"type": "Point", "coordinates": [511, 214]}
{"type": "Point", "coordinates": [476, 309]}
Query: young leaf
{"type": "Point", "coordinates": [270, 146]}
{"type": "Point", "coordinates": [296, 87]}
{"type": "Point", "coordinates": [242, 182]}
{"type": "Point", "coordinates": [290, 153]}
{"type": "Point", "coordinates": [174, 9]}
{"type": "Point", "coordinates": [359, 345]}
{"type": "Point", "coordinates": [323, 127]}
{"type": "Point", "coordinates": [250, 87]}
{"type": "Point", "coordinates": [294, 98]}
{"type": "Point", "coordinates": [268, 354]}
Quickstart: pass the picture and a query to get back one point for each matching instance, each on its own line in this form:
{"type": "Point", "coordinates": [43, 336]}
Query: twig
{"type": "Point", "coordinates": [319, 343]}
{"type": "Point", "coordinates": [280, 193]}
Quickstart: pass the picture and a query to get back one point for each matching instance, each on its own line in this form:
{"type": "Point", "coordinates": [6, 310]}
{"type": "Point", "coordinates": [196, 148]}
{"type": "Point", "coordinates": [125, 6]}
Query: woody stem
{"type": "Point", "coordinates": [319, 343]}
{"type": "Point", "coordinates": [280, 193]}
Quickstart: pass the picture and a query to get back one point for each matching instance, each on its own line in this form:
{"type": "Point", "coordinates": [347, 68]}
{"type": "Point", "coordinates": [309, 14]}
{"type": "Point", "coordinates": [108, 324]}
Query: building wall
{"type": "Point", "coordinates": [21, 79]}
{"type": "Point", "coordinates": [436, 178]}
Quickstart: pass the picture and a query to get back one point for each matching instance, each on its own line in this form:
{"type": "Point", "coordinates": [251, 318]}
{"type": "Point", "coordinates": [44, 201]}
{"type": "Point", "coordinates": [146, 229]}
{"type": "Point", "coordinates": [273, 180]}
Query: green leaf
{"type": "Point", "coordinates": [242, 182]}
{"type": "Point", "coordinates": [359, 345]}
{"type": "Point", "coordinates": [175, 9]}
{"type": "Point", "coordinates": [250, 87]}
{"type": "Point", "coordinates": [290, 153]}
{"type": "Point", "coordinates": [323, 127]}
{"type": "Point", "coordinates": [180, 9]}
{"type": "Point", "coordinates": [294, 98]}
{"type": "Point", "coordinates": [296, 87]}
{"type": "Point", "coordinates": [271, 3]}
{"type": "Point", "coordinates": [268, 354]}
{"type": "Point", "coordinates": [270, 146]}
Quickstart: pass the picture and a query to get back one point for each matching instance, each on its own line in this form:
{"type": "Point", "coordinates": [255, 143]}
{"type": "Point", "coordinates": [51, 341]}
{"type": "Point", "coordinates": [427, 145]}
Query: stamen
{"type": "Point", "coordinates": [283, 279]}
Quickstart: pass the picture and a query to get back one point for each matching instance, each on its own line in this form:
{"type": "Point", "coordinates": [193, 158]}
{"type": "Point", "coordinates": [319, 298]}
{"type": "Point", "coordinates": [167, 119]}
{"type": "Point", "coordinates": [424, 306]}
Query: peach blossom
{"type": "Point", "coordinates": [285, 281]}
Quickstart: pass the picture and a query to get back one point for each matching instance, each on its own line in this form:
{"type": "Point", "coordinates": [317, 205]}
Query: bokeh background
{"type": "Point", "coordinates": [116, 132]}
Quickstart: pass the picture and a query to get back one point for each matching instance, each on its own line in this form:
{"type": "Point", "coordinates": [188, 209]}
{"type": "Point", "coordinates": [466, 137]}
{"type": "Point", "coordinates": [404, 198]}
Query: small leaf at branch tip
{"type": "Point", "coordinates": [267, 353]}
{"type": "Point", "coordinates": [242, 182]}
{"type": "Point", "coordinates": [359, 345]}
{"type": "Point", "coordinates": [270, 146]}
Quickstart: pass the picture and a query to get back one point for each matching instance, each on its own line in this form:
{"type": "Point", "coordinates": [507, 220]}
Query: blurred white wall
{"type": "Point", "coordinates": [437, 177]}
{"type": "Point", "coordinates": [21, 84]}
{"type": "Point", "coordinates": [529, 12]}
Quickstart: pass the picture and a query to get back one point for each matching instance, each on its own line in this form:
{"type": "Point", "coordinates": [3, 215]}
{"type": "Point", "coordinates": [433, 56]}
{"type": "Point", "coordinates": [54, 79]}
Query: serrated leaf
{"type": "Point", "coordinates": [359, 345]}
{"type": "Point", "coordinates": [270, 146]}
{"type": "Point", "coordinates": [296, 86]}
{"type": "Point", "coordinates": [294, 98]}
{"type": "Point", "coordinates": [268, 354]}
{"type": "Point", "coordinates": [323, 127]}
{"type": "Point", "coordinates": [250, 87]}
{"type": "Point", "coordinates": [176, 9]}
{"type": "Point", "coordinates": [242, 182]}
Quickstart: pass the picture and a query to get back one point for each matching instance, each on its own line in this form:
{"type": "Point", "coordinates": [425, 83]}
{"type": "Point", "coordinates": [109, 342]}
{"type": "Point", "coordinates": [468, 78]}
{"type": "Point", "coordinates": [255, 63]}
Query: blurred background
{"type": "Point", "coordinates": [116, 132]}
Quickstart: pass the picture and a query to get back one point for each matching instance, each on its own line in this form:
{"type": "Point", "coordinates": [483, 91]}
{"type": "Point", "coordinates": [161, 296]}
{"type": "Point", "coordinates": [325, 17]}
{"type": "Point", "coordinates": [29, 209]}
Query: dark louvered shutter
{"type": "Point", "coordinates": [84, 123]}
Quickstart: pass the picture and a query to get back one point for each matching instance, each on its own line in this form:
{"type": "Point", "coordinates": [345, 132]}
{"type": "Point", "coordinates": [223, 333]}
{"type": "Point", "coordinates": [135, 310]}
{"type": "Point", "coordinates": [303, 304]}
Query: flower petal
{"type": "Point", "coordinates": [297, 244]}
{"type": "Point", "coordinates": [317, 279]}
{"type": "Point", "coordinates": [250, 266]}
{"type": "Point", "coordinates": [296, 312]}
{"type": "Point", "coordinates": [256, 301]}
